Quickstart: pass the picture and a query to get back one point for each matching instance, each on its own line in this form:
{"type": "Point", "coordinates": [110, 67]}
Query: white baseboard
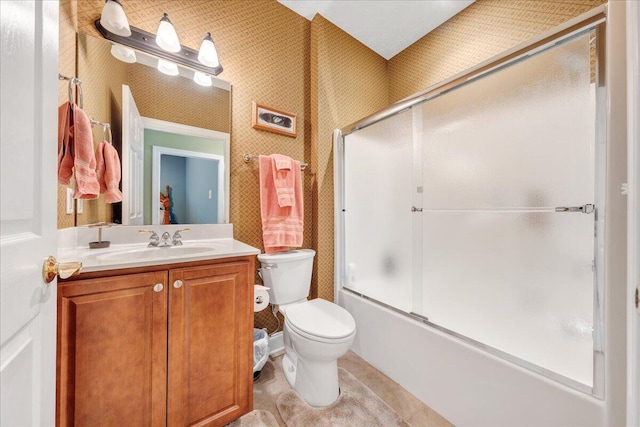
{"type": "Point", "coordinates": [276, 342]}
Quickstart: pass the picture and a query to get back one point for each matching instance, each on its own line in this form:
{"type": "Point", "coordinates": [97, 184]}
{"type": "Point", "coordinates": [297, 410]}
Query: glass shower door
{"type": "Point", "coordinates": [508, 166]}
{"type": "Point", "coordinates": [378, 244]}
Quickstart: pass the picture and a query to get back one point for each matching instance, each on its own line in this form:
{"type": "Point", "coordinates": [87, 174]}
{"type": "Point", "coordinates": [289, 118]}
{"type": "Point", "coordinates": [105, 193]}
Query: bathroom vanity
{"type": "Point", "coordinates": [149, 337]}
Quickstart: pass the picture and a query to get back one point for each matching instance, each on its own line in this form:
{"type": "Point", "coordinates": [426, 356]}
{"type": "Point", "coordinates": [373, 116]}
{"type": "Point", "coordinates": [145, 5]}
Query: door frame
{"type": "Point", "coordinates": [633, 212]}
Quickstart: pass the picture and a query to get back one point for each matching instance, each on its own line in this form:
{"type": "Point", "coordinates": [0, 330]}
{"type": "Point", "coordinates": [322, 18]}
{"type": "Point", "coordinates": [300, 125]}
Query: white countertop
{"type": "Point", "coordinates": [130, 249]}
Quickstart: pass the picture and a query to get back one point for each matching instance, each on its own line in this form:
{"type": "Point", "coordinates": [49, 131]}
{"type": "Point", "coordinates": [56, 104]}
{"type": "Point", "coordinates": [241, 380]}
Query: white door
{"type": "Point", "coordinates": [28, 129]}
{"type": "Point", "coordinates": [132, 160]}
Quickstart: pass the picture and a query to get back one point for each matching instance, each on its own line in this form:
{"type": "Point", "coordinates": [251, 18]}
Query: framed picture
{"type": "Point", "coordinates": [273, 120]}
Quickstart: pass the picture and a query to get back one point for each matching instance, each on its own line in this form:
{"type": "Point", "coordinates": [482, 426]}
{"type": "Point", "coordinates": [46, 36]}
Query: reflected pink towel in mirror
{"type": "Point", "coordinates": [109, 172]}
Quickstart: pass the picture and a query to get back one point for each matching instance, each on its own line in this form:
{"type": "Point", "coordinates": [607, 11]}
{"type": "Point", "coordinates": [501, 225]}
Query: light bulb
{"type": "Point", "coordinates": [166, 37]}
{"type": "Point", "coordinates": [124, 54]}
{"type": "Point", "coordinates": [114, 19]}
{"type": "Point", "coordinates": [168, 68]}
{"type": "Point", "coordinates": [208, 54]}
{"type": "Point", "coordinates": [202, 79]}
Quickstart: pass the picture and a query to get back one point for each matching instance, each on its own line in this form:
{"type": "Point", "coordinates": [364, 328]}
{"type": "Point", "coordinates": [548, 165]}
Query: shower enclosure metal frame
{"type": "Point", "coordinates": [594, 20]}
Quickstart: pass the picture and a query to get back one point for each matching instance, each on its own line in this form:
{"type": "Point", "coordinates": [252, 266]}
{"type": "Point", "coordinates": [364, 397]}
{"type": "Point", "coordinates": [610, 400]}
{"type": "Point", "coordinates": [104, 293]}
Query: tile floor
{"type": "Point", "coordinates": [272, 382]}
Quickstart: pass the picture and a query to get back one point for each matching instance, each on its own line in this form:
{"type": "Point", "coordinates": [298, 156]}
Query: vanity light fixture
{"type": "Point", "coordinates": [202, 79]}
{"type": "Point", "coordinates": [114, 19]}
{"type": "Point", "coordinates": [167, 67]}
{"type": "Point", "coordinates": [146, 42]}
{"type": "Point", "coordinates": [167, 38]}
{"type": "Point", "coordinates": [207, 53]}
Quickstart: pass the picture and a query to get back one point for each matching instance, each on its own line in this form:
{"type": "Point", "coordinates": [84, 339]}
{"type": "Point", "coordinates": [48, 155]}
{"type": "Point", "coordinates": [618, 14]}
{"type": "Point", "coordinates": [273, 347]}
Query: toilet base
{"type": "Point", "coordinates": [317, 383]}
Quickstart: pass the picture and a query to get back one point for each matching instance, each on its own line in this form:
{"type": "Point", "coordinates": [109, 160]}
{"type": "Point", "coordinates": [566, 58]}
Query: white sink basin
{"type": "Point", "coordinates": [148, 253]}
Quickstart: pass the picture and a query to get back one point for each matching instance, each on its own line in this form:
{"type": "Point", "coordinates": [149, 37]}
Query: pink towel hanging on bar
{"type": "Point", "coordinates": [108, 171]}
{"type": "Point", "coordinates": [65, 155]}
{"type": "Point", "coordinates": [282, 226]}
{"type": "Point", "coordinates": [283, 178]}
{"type": "Point", "coordinates": [75, 151]}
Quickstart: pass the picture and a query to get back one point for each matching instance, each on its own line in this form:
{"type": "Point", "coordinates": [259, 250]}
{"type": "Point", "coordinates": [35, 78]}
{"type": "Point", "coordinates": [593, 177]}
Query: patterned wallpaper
{"type": "Point", "coordinates": [273, 56]}
{"type": "Point", "coordinates": [482, 30]}
{"type": "Point", "coordinates": [350, 82]}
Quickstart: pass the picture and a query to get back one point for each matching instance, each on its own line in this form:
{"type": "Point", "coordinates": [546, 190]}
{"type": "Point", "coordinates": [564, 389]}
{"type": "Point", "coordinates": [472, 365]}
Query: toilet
{"type": "Point", "coordinates": [316, 332]}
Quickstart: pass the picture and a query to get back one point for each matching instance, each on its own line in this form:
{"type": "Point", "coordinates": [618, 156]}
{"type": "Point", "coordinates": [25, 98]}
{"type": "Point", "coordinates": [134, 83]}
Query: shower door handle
{"type": "Point", "coordinates": [586, 209]}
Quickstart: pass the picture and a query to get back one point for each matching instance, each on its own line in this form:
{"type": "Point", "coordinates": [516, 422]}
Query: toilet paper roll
{"type": "Point", "coordinates": [260, 298]}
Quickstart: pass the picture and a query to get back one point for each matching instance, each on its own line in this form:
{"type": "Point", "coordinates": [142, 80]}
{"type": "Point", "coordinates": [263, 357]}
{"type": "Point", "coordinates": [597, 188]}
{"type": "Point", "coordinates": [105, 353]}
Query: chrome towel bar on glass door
{"type": "Point", "coordinates": [248, 157]}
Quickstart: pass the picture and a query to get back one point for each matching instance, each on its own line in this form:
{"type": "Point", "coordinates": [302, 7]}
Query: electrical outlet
{"type": "Point", "coordinates": [69, 201]}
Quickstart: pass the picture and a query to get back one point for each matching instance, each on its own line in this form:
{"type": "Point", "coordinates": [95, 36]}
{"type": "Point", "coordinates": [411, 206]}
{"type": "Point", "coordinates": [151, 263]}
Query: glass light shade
{"type": "Point", "coordinates": [166, 37]}
{"type": "Point", "coordinates": [124, 54]}
{"type": "Point", "coordinates": [208, 54]}
{"type": "Point", "coordinates": [114, 19]}
{"type": "Point", "coordinates": [168, 68]}
{"type": "Point", "coordinates": [202, 79]}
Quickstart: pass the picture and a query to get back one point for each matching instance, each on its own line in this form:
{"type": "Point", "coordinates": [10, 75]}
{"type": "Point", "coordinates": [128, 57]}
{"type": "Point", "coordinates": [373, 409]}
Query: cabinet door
{"type": "Point", "coordinates": [210, 344]}
{"type": "Point", "coordinates": [112, 350]}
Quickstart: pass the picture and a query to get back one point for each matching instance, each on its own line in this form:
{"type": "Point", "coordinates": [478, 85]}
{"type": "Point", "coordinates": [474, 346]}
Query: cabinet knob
{"type": "Point", "coordinates": [158, 287]}
{"type": "Point", "coordinates": [177, 284]}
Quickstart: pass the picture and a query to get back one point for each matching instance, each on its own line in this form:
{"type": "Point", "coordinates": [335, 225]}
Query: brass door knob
{"type": "Point", "coordinates": [51, 268]}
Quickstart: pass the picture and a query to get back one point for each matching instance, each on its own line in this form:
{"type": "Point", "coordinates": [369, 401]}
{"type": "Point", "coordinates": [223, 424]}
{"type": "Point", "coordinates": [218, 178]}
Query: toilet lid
{"type": "Point", "coordinates": [321, 318]}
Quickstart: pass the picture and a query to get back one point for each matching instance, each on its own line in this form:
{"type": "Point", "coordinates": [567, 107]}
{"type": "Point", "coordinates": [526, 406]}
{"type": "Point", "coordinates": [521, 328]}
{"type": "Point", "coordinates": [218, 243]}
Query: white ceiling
{"type": "Point", "coordinates": [385, 26]}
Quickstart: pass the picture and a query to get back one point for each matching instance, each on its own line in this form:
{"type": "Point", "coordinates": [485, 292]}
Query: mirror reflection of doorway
{"type": "Point", "coordinates": [196, 181]}
{"type": "Point", "coordinates": [140, 188]}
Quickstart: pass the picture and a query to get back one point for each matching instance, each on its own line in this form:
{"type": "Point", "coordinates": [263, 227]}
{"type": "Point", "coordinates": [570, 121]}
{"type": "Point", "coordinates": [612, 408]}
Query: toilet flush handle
{"type": "Point", "coordinates": [269, 266]}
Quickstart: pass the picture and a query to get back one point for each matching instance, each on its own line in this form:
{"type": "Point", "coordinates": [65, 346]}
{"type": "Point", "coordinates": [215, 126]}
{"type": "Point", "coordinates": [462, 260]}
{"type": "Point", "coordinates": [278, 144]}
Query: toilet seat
{"type": "Point", "coordinates": [320, 320]}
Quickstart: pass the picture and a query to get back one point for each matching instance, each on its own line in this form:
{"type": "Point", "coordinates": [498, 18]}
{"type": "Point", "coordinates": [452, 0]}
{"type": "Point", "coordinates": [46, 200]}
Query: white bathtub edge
{"type": "Point", "coordinates": [467, 386]}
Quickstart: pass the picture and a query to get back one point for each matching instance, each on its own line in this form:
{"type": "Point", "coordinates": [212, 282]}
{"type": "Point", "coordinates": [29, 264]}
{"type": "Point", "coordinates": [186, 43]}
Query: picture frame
{"type": "Point", "coordinates": [274, 120]}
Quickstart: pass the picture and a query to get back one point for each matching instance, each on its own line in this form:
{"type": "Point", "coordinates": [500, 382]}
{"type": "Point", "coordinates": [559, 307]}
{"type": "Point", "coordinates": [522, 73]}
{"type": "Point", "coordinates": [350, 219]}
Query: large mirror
{"type": "Point", "coordinates": [180, 121]}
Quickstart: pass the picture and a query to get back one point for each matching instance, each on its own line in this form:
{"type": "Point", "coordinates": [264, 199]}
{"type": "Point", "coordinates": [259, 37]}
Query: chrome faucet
{"type": "Point", "coordinates": [164, 240]}
{"type": "Point", "coordinates": [153, 238]}
{"type": "Point", "coordinates": [177, 238]}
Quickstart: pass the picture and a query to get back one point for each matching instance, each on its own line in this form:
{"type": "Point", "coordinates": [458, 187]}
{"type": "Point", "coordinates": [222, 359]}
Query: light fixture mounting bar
{"type": "Point", "coordinates": [146, 42]}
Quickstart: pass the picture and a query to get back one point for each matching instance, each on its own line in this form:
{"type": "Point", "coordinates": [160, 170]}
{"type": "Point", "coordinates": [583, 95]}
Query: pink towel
{"type": "Point", "coordinates": [65, 156]}
{"type": "Point", "coordinates": [283, 178]}
{"type": "Point", "coordinates": [84, 159]}
{"type": "Point", "coordinates": [108, 172]}
{"type": "Point", "coordinates": [282, 226]}
{"type": "Point", "coordinates": [75, 151]}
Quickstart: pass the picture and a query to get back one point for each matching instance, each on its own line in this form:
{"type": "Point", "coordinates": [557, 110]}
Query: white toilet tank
{"type": "Point", "coordinates": [287, 275]}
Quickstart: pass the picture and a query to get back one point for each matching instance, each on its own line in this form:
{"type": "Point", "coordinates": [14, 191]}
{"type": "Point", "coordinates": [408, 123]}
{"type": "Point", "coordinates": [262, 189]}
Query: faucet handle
{"type": "Point", "coordinates": [177, 237]}
{"type": "Point", "coordinates": [177, 233]}
{"type": "Point", "coordinates": [153, 239]}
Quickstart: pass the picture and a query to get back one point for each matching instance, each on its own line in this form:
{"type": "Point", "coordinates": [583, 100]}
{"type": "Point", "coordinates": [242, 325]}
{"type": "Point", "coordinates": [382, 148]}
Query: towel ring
{"type": "Point", "coordinates": [74, 81]}
{"type": "Point", "coordinates": [106, 129]}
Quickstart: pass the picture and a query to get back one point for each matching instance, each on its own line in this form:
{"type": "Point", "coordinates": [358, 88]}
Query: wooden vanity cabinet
{"type": "Point", "coordinates": [156, 346]}
{"type": "Point", "coordinates": [210, 344]}
{"type": "Point", "coordinates": [112, 340]}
